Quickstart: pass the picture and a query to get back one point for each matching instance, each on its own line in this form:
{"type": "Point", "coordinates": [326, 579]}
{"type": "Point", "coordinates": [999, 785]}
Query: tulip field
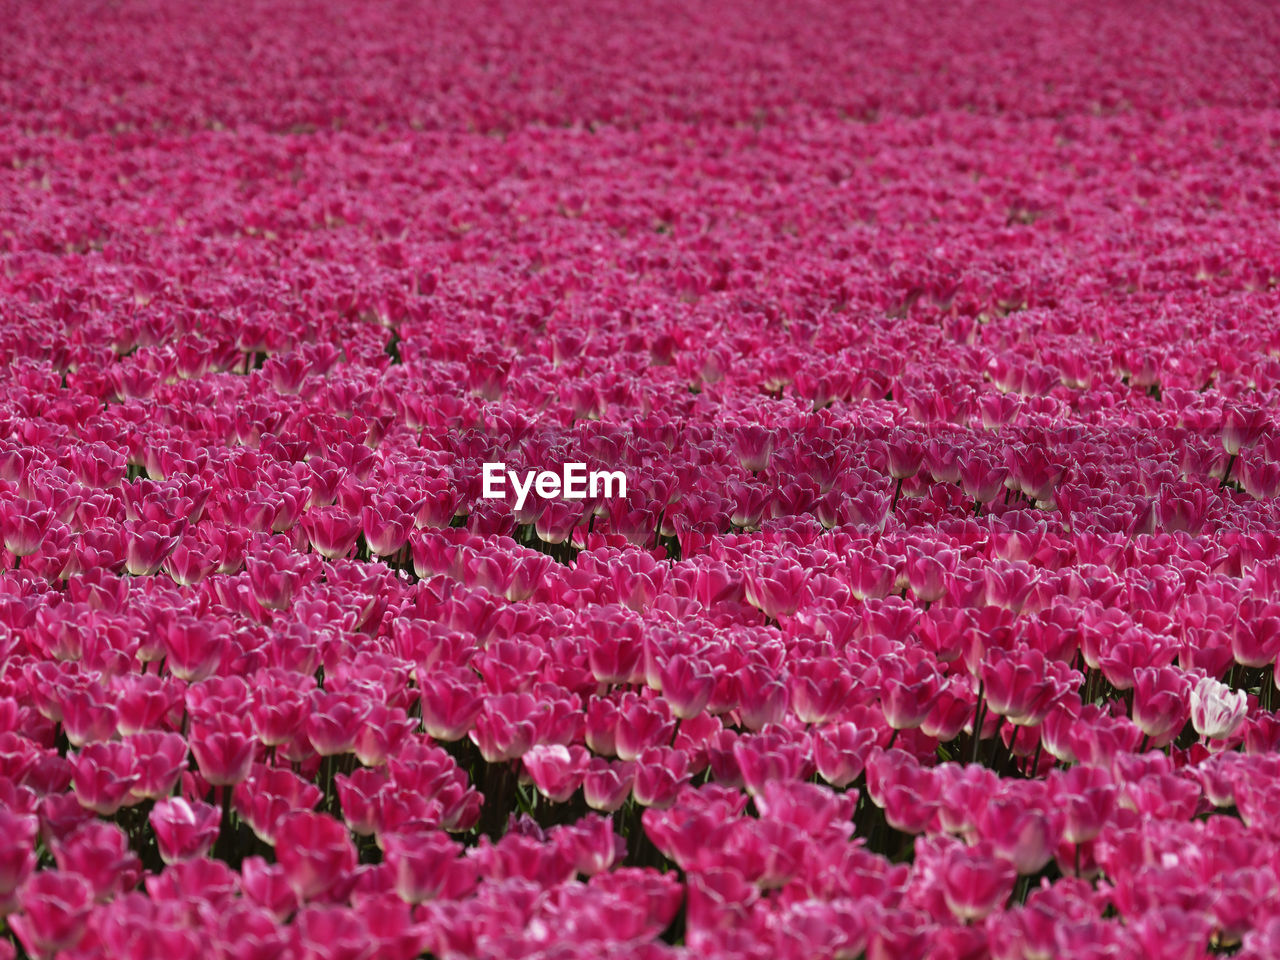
{"type": "Point", "coordinates": [658, 480]}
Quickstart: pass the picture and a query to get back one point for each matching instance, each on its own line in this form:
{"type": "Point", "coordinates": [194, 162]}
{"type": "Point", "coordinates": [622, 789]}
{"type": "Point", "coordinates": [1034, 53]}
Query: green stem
{"type": "Point", "coordinates": [996, 744]}
{"type": "Point", "coordinates": [1226, 477]}
{"type": "Point", "coordinates": [977, 724]}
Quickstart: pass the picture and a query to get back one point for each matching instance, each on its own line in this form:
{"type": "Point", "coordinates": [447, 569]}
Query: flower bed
{"type": "Point", "coordinates": [928, 603]}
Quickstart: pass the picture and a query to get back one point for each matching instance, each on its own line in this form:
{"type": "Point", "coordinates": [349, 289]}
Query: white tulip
{"type": "Point", "coordinates": [1216, 709]}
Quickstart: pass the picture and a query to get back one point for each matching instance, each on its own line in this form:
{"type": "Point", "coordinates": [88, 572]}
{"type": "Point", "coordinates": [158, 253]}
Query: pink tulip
{"type": "Point", "coordinates": [421, 863]}
{"type": "Point", "coordinates": [660, 772]}
{"type": "Point", "coordinates": [928, 577]}
{"type": "Point", "coordinates": [105, 777]}
{"type": "Point", "coordinates": [278, 711]}
{"type": "Point", "coordinates": [332, 531]}
{"type": "Point", "coordinates": [144, 702]}
{"type": "Point", "coordinates": [223, 749]}
{"type": "Point", "coordinates": [776, 590]}
{"type": "Point", "coordinates": [54, 909]}
{"type": "Point", "coordinates": [316, 853]}
{"type": "Point", "coordinates": [334, 721]}
{"type": "Point", "coordinates": [906, 704]}
{"type": "Point", "coordinates": [974, 882]}
{"type": "Point", "coordinates": [1024, 830]}
{"type": "Point", "coordinates": [556, 771]}
{"type": "Point", "coordinates": [190, 562]}
{"type": "Point", "coordinates": [100, 853]}
{"type": "Point", "coordinates": [385, 528]}
{"type": "Point", "coordinates": [146, 550]}
{"type": "Point", "coordinates": [686, 684]}
{"type": "Point", "coordinates": [606, 786]}
{"type": "Point", "coordinates": [1023, 688]}
{"type": "Point", "coordinates": [841, 751]}
{"type": "Point", "coordinates": [267, 885]}
{"type": "Point", "coordinates": [640, 725]}
{"type": "Point", "coordinates": [24, 527]}
{"type": "Point", "coordinates": [17, 855]}
{"type": "Point", "coordinates": [502, 730]}
{"type": "Point", "coordinates": [1160, 703]}
{"type": "Point", "coordinates": [87, 716]}
{"type": "Point", "coordinates": [1086, 797]}
{"type": "Point", "coordinates": [755, 446]}
{"type": "Point", "coordinates": [1243, 427]}
{"type": "Point", "coordinates": [193, 650]}
{"type": "Point", "coordinates": [268, 795]}
{"type": "Point", "coordinates": [184, 830]}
